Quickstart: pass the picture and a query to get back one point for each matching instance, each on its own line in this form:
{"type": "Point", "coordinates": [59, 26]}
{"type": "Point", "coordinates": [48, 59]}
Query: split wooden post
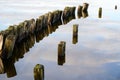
{"type": "Point", "coordinates": [39, 72]}
{"type": "Point", "coordinates": [100, 13]}
{"type": "Point", "coordinates": [75, 33]}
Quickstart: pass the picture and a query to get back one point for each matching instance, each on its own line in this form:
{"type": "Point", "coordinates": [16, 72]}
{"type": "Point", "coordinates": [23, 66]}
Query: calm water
{"type": "Point", "coordinates": [96, 56]}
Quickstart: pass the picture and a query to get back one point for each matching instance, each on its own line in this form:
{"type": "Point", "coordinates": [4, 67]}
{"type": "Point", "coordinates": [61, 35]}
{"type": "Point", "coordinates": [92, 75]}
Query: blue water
{"type": "Point", "coordinates": [96, 56]}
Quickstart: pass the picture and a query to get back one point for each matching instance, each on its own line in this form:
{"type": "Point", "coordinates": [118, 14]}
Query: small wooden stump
{"type": "Point", "coordinates": [100, 13]}
{"type": "Point", "coordinates": [39, 72]}
{"type": "Point", "coordinates": [75, 33]}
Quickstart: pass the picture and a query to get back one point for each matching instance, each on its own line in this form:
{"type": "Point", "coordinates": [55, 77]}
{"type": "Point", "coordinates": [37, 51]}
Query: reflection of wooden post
{"type": "Point", "coordinates": [61, 52]}
{"type": "Point", "coordinates": [75, 33]}
{"type": "Point", "coordinates": [100, 13]}
{"type": "Point", "coordinates": [115, 6]}
{"type": "Point", "coordinates": [39, 72]}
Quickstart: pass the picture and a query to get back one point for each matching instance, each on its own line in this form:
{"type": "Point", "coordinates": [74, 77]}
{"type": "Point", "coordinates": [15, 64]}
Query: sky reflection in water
{"type": "Point", "coordinates": [95, 56]}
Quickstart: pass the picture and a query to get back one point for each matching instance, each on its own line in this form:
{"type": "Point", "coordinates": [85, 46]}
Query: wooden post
{"type": "Point", "coordinates": [85, 7]}
{"type": "Point", "coordinates": [115, 7]}
{"type": "Point", "coordinates": [79, 12]}
{"type": "Point", "coordinates": [100, 13]}
{"type": "Point", "coordinates": [61, 52]}
{"type": "Point", "coordinates": [75, 33]}
{"type": "Point", "coordinates": [39, 72]}
{"type": "Point", "coordinates": [9, 45]}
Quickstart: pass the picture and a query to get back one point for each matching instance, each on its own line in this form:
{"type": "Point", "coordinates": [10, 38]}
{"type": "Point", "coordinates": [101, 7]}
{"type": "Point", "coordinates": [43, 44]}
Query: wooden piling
{"type": "Point", "coordinates": [39, 72]}
{"type": "Point", "coordinates": [68, 14]}
{"type": "Point", "coordinates": [115, 7]}
{"type": "Point", "coordinates": [61, 52]}
{"type": "Point", "coordinates": [75, 34]}
{"type": "Point", "coordinates": [9, 45]}
{"type": "Point", "coordinates": [85, 7]}
{"type": "Point", "coordinates": [79, 11]}
{"type": "Point", "coordinates": [100, 13]}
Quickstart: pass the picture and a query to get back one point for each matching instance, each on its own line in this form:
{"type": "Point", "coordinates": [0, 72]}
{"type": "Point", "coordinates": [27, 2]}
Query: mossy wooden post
{"type": "Point", "coordinates": [39, 72]}
{"type": "Point", "coordinates": [100, 13]}
{"type": "Point", "coordinates": [75, 33]}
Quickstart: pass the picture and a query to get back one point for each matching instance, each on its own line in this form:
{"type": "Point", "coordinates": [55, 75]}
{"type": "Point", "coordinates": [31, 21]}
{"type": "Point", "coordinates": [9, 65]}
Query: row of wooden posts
{"type": "Point", "coordinates": [18, 39]}
{"type": "Point", "coordinates": [16, 33]}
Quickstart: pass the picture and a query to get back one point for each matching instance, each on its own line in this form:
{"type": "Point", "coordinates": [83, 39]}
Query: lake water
{"type": "Point", "coordinates": [96, 55]}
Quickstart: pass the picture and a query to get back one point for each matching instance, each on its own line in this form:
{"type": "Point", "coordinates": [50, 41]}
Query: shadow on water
{"type": "Point", "coordinates": [27, 39]}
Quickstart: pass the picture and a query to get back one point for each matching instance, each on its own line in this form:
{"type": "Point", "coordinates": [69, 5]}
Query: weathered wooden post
{"type": "Point", "coordinates": [9, 45]}
{"type": "Point", "coordinates": [68, 14]}
{"type": "Point", "coordinates": [100, 13]}
{"type": "Point", "coordinates": [79, 12]}
{"type": "Point", "coordinates": [85, 7]}
{"type": "Point", "coordinates": [39, 72]}
{"type": "Point", "coordinates": [115, 7]}
{"type": "Point", "coordinates": [75, 34]}
{"type": "Point", "coordinates": [61, 52]}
